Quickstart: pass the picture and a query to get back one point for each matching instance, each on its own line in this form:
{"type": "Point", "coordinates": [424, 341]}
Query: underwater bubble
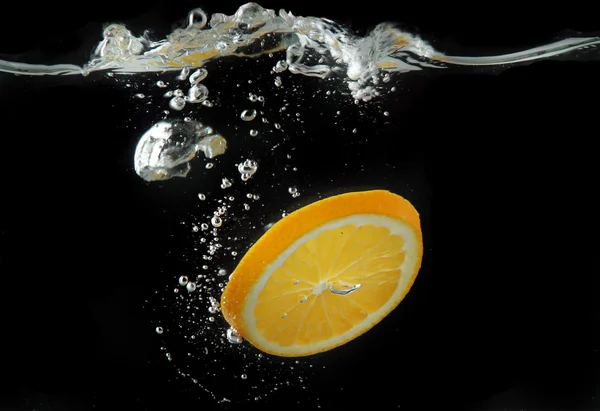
{"type": "Point", "coordinates": [197, 76]}
{"type": "Point", "coordinates": [233, 336]}
{"type": "Point", "coordinates": [183, 74]}
{"type": "Point", "coordinates": [243, 376]}
{"type": "Point", "coordinates": [159, 330]}
{"type": "Point", "coordinates": [202, 196]}
{"type": "Point", "coordinates": [191, 286]}
{"type": "Point", "coordinates": [253, 133]}
{"type": "Point", "coordinates": [216, 221]}
{"type": "Point", "coordinates": [280, 66]}
{"type": "Point", "coordinates": [278, 81]}
{"type": "Point", "coordinates": [222, 272]}
{"type": "Point", "coordinates": [161, 84]}
{"type": "Point", "coordinates": [177, 103]}
{"type": "Point", "coordinates": [248, 167]}
{"type": "Point", "coordinates": [212, 146]}
{"type": "Point", "coordinates": [248, 115]}
{"type": "Point", "coordinates": [165, 149]}
{"type": "Point", "coordinates": [183, 280]}
{"type": "Point", "coordinates": [197, 94]}
{"type": "Point", "coordinates": [225, 182]}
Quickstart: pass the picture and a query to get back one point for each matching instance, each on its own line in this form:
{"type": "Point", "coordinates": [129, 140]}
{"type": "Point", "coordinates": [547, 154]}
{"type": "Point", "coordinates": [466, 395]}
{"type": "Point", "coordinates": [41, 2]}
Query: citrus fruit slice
{"type": "Point", "coordinates": [325, 274]}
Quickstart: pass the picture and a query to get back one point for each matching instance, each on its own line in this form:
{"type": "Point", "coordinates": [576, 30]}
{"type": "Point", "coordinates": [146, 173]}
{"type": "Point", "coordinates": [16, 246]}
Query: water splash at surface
{"type": "Point", "coordinates": [313, 47]}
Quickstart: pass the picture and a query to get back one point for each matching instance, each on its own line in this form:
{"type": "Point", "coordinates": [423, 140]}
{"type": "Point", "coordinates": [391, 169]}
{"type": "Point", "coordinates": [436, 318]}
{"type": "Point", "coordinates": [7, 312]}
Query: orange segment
{"type": "Point", "coordinates": [325, 274]}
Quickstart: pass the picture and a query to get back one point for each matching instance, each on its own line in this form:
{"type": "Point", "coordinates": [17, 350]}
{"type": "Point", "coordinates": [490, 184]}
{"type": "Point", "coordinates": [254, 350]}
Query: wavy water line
{"type": "Point", "coordinates": [313, 46]}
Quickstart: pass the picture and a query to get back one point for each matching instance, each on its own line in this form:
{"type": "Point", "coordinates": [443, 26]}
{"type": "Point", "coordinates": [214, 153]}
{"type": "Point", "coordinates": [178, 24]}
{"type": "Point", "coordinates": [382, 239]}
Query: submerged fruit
{"type": "Point", "coordinates": [325, 274]}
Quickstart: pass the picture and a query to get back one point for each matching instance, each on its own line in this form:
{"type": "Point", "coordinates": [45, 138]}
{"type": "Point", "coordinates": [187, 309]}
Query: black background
{"type": "Point", "coordinates": [503, 303]}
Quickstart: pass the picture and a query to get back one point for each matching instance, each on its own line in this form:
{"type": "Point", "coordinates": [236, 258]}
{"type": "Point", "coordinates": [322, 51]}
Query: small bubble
{"type": "Point", "coordinates": [277, 126]}
{"type": "Point", "coordinates": [248, 115]}
{"type": "Point", "coordinates": [183, 74]}
{"type": "Point", "coordinates": [233, 337]}
{"type": "Point", "coordinates": [216, 221]}
{"type": "Point", "coordinates": [159, 330]}
{"type": "Point", "coordinates": [278, 81]}
{"type": "Point", "coordinates": [355, 130]}
{"type": "Point", "coordinates": [161, 84]}
{"type": "Point", "coordinates": [195, 228]}
{"type": "Point", "coordinates": [197, 76]}
{"type": "Point", "coordinates": [243, 376]}
{"type": "Point", "coordinates": [204, 226]}
{"type": "Point", "coordinates": [283, 315]}
{"type": "Point", "coordinates": [178, 93]}
{"type": "Point", "coordinates": [202, 196]}
{"type": "Point", "coordinates": [197, 93]}
{"type": "Point", "coordinates": [248, 167]}
{"type": "Point", "coordinates": [303, 299]}
{"type": "Point", "coordinates": [222, 272]}
{"type": "Point", "coordinates": [280, 66]}
{"type": "Point", "coordinates": [209, 166]}
{"type": "Point", "coordinates": [386, 113]}
{"type": "Point", "coordinates": [183, 280]}
{"type": "Point", "coordinates": [191, 286]}
{"type": "Point", "coordinates": [139, 95]}
{"type": "Point", "coordinates": [234, 253]}
{"type": "Point", "coordinates": [177, 103]}
{"type": "Point", "coordinates": [295, 281]}
{"type": "Point", "coordinates": [246, 207]}
{"type": "Point", "coordinates": [261, 99]}
{"type": "Point", "coordinates": [253, 97]}
{"type": "Point", "coordinates": [292, 190]}
{"type": "Point", "coordinates": [211, 319]}
{"type": "Point", "coordinates": [225, 183]}
{"type": "Point", "coordinates": [253, 133]}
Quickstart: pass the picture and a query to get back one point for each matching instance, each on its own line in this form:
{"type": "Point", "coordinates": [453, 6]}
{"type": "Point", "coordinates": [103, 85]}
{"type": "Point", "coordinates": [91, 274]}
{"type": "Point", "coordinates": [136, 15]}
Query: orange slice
{"type": "Point", "coordinates": [325, 274]}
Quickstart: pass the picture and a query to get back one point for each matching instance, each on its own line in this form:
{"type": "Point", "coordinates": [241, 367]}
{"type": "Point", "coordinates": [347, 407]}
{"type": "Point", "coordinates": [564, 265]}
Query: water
{"type": "Point", "coordinates": [253, 178]}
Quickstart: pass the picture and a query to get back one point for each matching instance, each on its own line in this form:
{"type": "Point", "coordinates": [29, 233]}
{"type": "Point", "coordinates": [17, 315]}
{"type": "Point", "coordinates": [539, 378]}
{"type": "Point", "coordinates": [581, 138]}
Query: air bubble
{"type": "Point", "coordinates": [197, 93]}
{"type": "Point", "coordinates": [253, 133]}
{"type": "Point", "coordinates": [248, 168]}
{"type": "Point", "coordinates": [159, 330]}
{"type": "Point", "coordinates": [216, 221]}
{"type": "Point", "coordinates": [197, 76]}
{"type": "Point", "coordinates": [177, 103]}
{"type": "Point", "coordinates": [248, 115]}
{"type": "Point", "coordinates": [222, 272]}
{"type": "Point", "coordinates": [183, 280]}
{"type": "Point", "coordinates": [280, 66]}
{"type": "Point", "coordinates": [191, 286]}
{"type": "Point", "coordinates": [233, 337]}
{"type": "Point", "coordinates": [139, 95]}
{"type": "Point", "coordinates": [225, 183]}
{"type": "Point", "coordinates": [202, 196]}
{"type": "Point", "coordinates": [278, 81]}
{"type": "Point", "coordinates": [161, 84]}
{"type": "Point", "coordinates": [183, 74]}
{"type": "Point", "coordinates": [209, 166]}
{"type": "Point", "coordinates": [243, 376]}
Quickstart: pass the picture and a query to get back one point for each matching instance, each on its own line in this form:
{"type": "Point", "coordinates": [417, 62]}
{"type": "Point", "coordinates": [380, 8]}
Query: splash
{"type": "Point", "coordinates": [313, 46]}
